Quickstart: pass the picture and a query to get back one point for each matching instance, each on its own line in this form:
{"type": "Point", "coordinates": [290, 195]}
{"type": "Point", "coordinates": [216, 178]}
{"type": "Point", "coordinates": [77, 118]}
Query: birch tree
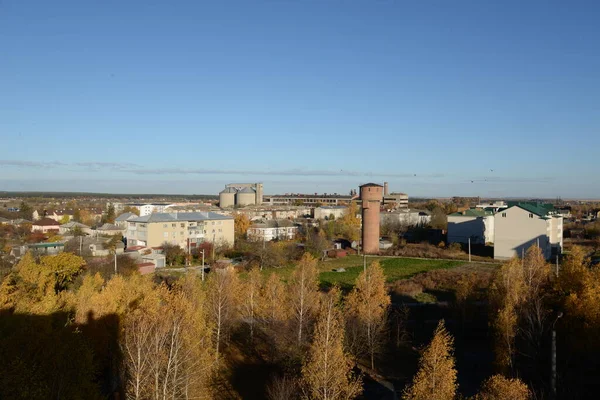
{"type": "Point", "coordinates": [327, 372]}
{"type": "Point", "coordinates": [367, 307]}
{"type": "Point", "coordinates": [222, 300]}
{"type": "Point", "coordinates": [302, 292]}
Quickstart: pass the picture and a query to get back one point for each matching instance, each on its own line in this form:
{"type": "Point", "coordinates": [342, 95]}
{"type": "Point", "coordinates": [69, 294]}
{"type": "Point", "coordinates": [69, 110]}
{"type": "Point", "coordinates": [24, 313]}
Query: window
{"type": "Point", "coordinates": [173, 225]}
{"type": "Point", "coordinates": [530, 215]}
{"type": "Point", "coordinates": [503, 215]}
{"type": "Point", "coordinates": [182, 225]}
{"type": "Point", "coordinates": [220, 230]}
{"type": "Point", "coordinates": [213, 222]}
{"type": "Point", "coordinates": [164, 225]}
{"type": "Point", "coordinates": [181, 233]}
{"type": "Point", "coordinates": [166, 234]}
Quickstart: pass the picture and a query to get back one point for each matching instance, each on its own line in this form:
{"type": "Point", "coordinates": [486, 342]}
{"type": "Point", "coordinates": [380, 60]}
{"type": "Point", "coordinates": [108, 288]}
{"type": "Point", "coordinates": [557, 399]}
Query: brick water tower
{"type": "Point", "coordinates": [371, 195]}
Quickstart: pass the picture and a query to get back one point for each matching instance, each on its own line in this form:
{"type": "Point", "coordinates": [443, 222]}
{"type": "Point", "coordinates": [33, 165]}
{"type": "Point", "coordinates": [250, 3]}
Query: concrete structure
{"type": "Point", "coordinates": [45, 225]}
{"type": "Point", "coordinates": [183, 229]}
{"type": "Point", "coordinates": [527, 224]}
{"type": "Point", "coordinates": [327, 212]}
{"type": "Point", "coordinates": [273, 230]}
{"type": "Point", "coordinates": [308, 199]}
{"type": "Point", "coordinates": [158, 260]}
{"type": "Point", "coordinates": [474, 224]}
{"type": "Point", "coordinates": [371, 195]}
{"type": "Point", "coordinates": [406, 217]}
{"type": "Point", "coordinates": [241, 194]}
{"type": "Point", "coordinates": [69, 227]}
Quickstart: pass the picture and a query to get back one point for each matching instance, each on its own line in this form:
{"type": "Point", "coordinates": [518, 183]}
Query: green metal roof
{"type": "Point", "coordinates": [538, 209]}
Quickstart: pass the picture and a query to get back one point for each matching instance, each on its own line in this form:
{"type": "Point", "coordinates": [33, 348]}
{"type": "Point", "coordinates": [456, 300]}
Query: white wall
{"type": "Point", "coordinates": [517, 231]}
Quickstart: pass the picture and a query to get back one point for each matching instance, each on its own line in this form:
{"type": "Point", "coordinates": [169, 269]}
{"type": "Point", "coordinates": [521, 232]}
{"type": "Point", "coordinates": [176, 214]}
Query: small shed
{"type": "Point", "coordinates": [158, 260]}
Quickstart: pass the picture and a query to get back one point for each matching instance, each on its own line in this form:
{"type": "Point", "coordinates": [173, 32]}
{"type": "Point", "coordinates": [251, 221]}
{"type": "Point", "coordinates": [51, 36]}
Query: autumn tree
{"type": "Point", "coordinates": [349, 224]}
{"type": "Point", "coordinates": [130, 209]}
{"type": "Point", "coordinates": [366, 308]}
{"type": "Point", "coordinates": [110, 216]}
{"type": "Point", "coordinates": [499, 387]}
{"type": "Point", "coordinates": [241, 224]}
{"type": "Point", "coordinates": [250, 298]}
{"type": "Point", "coordinates": [25, 211]}
{"type": "Point", "coordinates": [507, 296]}
{"type": "Point", "coordinates": [327, 372]}
{"type": "Point", "coordinates": [222, 295]}
{"type": "Point", "coordinates": [302, 293]}
{"type": "Point", "coordinates": [273, 300]}
{"type": "Point", "coordinates": [436, 377]}
{"type": "Point", "coordinates": [174, 254]}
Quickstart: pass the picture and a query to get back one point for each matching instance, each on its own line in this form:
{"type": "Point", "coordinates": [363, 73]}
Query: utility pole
{"type": "Point", "coordinates": [80, 244]}
{"type": "Point", "coordinates": [553, 377]}
{"type": "Point", "coordinates": [469, 249]}
{"type": "Point", "coordinates": [202, 265]}
{"type": "Point", "coordinates": [115, 261]}
{"type": "Point", "coordinates": [365, 263]}
{"type": "Point", "coordinates": [557, 265]}
{"type": "Point", "coordinates": [213, 247]}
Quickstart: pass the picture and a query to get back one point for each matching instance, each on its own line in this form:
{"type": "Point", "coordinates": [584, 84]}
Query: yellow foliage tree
{"type": "Point", "coordinates": [222, 296]}
{"type": "Point", "coordinates": [302, 293]}
{"type": "Point", "coordinates": [327, 372]}
{"type": "Point", "coordinates": [499, 387]}
{"type": "Point", "coordinates": [250, 299]}
{"type": "Point", "coordinates": [366, 308]}
{"type": "Point", "coordinates": [241, 223]}
{"type": "Point", "coordinates": [436, 377]}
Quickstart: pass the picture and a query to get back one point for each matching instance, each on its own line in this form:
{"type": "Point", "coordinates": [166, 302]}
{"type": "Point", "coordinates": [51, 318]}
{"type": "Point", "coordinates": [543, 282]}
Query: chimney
{"type": "Point", "coordinates": [386, 189]}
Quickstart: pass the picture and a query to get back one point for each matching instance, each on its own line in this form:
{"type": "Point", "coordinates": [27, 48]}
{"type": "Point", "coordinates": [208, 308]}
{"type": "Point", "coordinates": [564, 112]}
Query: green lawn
{"type": "Point", "coordinates": [394, 269]}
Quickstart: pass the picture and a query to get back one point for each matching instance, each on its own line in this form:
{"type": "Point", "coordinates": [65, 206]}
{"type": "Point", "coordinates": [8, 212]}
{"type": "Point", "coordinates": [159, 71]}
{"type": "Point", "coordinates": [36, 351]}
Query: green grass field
{"type": "Point", "coordinates": [394, 269]}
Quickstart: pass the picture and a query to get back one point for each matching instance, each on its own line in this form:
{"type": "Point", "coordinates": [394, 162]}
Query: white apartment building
{"type": "Point", "coordinates": [183, 229]}
{"type": "Point", "coordinates": [523, 225]}
{"type": "Point", "coordinates": [272, 230]}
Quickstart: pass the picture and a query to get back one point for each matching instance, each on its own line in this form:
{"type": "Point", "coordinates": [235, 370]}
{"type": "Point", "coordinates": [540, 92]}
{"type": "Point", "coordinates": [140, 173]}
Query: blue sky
{"type": "Point", "coordinates": [439, 98]}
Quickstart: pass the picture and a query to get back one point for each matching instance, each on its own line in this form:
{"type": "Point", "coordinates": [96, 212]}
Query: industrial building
{"type": "Point", "coordinates": [399, 200]}
{"type": "Point", "coordinates": [371, 195]}
{"type": "Point", "coordinates": [241, 195]}
{"type": "Point", "coordinates": [309, 199]}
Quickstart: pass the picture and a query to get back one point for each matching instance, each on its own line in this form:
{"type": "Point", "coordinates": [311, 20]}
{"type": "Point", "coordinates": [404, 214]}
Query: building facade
{"type": "Point", "coordinates": [273, 230]}
{"type": "Point", "coordinates": [523, 225]}
{"type": "Point", "coordinates": [45, 225]}
{"type": "Point", "coordinates": [474, 224]}
{"type": "Point", "coordinates": [182, 229]}
{"type": "Point", "coordinates": [330, 212]}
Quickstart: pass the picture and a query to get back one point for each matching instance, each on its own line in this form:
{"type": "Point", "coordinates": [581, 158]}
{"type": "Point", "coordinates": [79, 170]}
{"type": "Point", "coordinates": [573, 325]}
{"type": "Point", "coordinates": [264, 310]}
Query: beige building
{"type": "Point", "coordinates": [183, 229]}
{"type": "Point", "coordinates": [523, 225]}
{"type": "Point", "coordinates": [330, 212]}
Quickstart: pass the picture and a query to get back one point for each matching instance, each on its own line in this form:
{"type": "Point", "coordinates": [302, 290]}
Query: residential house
{"type": "Point", "coordinates": [330, 212]}
{"type": "Point", "coordinates": [280, 229]}
{"type": "Point", "coordinates": [475, 224]}
{"type": "Point", "coordinates": [527, 224]}
{"type": "Point", "coordinates": [110, 230]}
{"type": "Point", "coordinates": [57, 215]}
{"type": "Point", "coordinates": [45, 225]}
{"type": "Point", "coordinates": [70, 227]}
{"type": "Point", "coordinates": [183, 229]}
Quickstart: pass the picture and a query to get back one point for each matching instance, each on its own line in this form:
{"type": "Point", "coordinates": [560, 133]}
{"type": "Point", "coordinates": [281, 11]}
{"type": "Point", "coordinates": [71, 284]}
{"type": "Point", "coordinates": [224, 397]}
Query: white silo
{"type": "Point", "coordinates": [245, 197]}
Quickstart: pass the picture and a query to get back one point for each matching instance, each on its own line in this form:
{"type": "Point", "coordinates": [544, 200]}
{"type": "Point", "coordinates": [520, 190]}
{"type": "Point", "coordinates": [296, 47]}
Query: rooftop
{"type": "Point", "coordinates": [186, 216]}
{"type": "Point", "coordinates": [46, 222]}
{"type": "Point", "coordinates": [539, 209]}
{"type": "Point", "coordinates": [274, 223]}
{"type": "Point", "coordinates": [125, 216]}
{"type": "Point", "coordinates": [472, 212]}
{"type": "Point", "coordinates": [370, 184]}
